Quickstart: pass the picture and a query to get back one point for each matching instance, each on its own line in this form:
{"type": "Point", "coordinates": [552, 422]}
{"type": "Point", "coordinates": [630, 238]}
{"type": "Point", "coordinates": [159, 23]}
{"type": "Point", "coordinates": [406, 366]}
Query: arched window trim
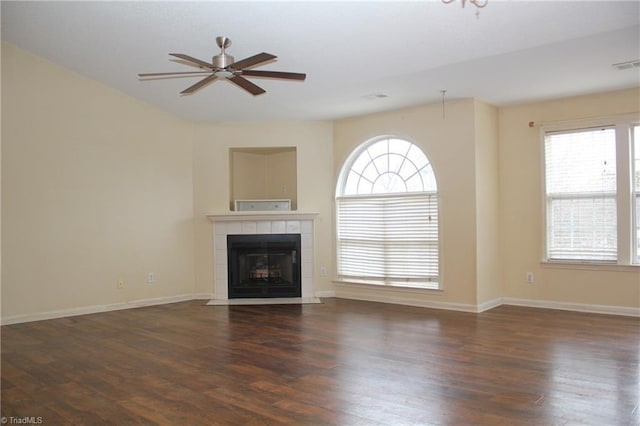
{"type": "Point", "coordinates": [363, 148]}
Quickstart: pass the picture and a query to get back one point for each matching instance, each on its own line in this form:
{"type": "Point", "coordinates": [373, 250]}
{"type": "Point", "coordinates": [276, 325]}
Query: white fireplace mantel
{"type": "Point", "coordinates": [261, 215]}
{"type": "Point", "coordinates": [262, 222]}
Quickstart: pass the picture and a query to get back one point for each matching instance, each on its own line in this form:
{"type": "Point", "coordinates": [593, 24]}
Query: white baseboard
{"type": "Point", "coordinates": [485, 306]}
{"type": "Point", "coordinates": [490, 304]}
{"type": "Point", "coordinates": [577, 307]}
{"type": "Point", "coordinates": [406, 301]}
{"type": "Point", "coordinates": [326, 293]}
{"type": "Point", "coordinates": [16, 319]}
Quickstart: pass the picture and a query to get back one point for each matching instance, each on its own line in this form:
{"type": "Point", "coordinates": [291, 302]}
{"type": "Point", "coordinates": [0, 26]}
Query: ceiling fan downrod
{"type": "Point", "coordinates": [222, 60]}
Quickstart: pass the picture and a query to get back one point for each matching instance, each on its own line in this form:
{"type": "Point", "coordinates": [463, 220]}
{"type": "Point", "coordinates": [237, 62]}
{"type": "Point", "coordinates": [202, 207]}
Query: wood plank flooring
{"type": "Point", "coordinates": [343, 362]}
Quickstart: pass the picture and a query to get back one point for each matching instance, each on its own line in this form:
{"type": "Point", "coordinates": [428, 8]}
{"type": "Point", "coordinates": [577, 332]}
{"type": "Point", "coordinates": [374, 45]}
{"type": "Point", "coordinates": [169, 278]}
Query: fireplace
{"type": "Point", "coordinates": [262, 223]}
{"type": "Point", "coordinates": [264, 265]}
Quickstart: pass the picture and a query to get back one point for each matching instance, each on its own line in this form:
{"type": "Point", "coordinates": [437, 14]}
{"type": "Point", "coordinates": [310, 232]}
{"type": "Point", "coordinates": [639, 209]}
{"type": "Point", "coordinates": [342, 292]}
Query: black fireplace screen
{"type": "Point", "coordinates": [265, 265]}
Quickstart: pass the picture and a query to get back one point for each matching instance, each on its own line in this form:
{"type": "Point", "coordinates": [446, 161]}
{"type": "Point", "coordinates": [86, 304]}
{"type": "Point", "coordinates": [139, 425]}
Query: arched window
{"type": "Point", "coordinates": [387, 216]}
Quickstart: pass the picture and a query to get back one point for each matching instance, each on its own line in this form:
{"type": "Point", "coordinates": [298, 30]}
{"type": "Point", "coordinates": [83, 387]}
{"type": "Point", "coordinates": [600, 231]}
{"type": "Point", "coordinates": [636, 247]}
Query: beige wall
{"type": "Point", "coordinates": [282, 177]}
{"type": "Point", "coordinates": [1, 189]}
{"type": "Point", "coordinates": [96, 187]}
{"type": "Point", "coordinates": [249, 176]}
{"type": "Point", "coordinates": [449, 143]}
{"type": "Point", "coordinates": [521, 208]}
{"type": "Point", "coordinates": [487, 203]}
{"type": "Point", "coordinates": [211, 173]}
{"type": "Point", "coordinates": [270, 174]}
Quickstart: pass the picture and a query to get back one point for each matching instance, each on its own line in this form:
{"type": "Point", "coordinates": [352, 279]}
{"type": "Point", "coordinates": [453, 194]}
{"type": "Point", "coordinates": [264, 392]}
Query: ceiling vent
{"type": "Point", "coordinates": [376, 96]}
{"type": "Point", "coordinates": [627, 65]}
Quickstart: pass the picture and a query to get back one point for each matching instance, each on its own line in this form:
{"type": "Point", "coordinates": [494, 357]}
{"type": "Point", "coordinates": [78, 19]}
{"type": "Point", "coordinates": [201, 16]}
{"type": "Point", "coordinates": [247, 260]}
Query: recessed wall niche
{"type": "Point", "coordinates": [264, 174]}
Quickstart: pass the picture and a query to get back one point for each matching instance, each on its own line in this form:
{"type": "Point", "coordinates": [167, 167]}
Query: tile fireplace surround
{"type": "Point", "coordinates": [253, 223]}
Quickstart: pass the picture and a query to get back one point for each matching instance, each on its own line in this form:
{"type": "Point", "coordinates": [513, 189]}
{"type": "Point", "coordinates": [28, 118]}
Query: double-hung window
{"type": "Point", "coordinates": [387, 216]}
{"type": "Point", "coordinates": [592, 194]}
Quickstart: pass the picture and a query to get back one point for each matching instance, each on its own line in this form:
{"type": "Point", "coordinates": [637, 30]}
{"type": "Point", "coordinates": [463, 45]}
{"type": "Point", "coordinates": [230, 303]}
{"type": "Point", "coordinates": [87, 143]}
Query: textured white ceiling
{"type": "Point", "coordinates": [514, 51]}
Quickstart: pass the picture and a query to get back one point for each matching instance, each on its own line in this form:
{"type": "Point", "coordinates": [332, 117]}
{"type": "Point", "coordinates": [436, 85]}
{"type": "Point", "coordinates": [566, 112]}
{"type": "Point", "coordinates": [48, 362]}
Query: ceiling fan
{"type": "Point", "coordinates": [224, 66]}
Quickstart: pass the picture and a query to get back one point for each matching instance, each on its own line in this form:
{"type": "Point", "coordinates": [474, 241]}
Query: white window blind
{"type": "Point", "coordinates": [389, 240]}
{"type": "Point", "coordinates": [580, 178]}
{"type": "Point", "coordinates": [636, 190]}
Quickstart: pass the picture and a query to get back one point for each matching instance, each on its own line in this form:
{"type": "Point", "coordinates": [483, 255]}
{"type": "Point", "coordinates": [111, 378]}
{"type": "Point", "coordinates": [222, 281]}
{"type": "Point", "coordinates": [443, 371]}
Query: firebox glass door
{"type": "Point", "coordinates": [264, 265]}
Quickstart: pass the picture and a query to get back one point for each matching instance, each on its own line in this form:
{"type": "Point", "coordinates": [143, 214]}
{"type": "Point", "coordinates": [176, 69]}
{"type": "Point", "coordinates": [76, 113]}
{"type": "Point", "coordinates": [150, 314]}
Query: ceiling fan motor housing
{"type": "Point", "coordinates": [222, 61]}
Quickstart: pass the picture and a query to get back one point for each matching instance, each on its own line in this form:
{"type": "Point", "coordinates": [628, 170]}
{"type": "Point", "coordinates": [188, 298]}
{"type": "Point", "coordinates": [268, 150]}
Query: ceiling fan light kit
{"type": "Point", "coordinates": [224, 66]}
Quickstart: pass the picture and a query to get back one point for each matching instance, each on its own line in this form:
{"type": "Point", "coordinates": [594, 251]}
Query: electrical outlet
{"type": "Point", "coordinates": [530, 277]}
{"type": "Point", "coordinates": [323, 271]}
{"type": "Point", "coordinates": [120, 284]}
{"type": "Point", "coordinates": [150, 278]}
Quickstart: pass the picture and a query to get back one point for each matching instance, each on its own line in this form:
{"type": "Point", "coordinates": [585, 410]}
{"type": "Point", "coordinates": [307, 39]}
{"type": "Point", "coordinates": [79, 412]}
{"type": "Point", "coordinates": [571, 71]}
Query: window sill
{"type": "Point", "coordinates": [388, 287]}
{"type": "Point", "coordinates": [590, 266]}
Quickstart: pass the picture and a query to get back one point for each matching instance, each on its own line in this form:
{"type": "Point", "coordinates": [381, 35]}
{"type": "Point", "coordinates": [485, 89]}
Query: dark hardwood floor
{"type": "Point", "coordinates": [339, 363]}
